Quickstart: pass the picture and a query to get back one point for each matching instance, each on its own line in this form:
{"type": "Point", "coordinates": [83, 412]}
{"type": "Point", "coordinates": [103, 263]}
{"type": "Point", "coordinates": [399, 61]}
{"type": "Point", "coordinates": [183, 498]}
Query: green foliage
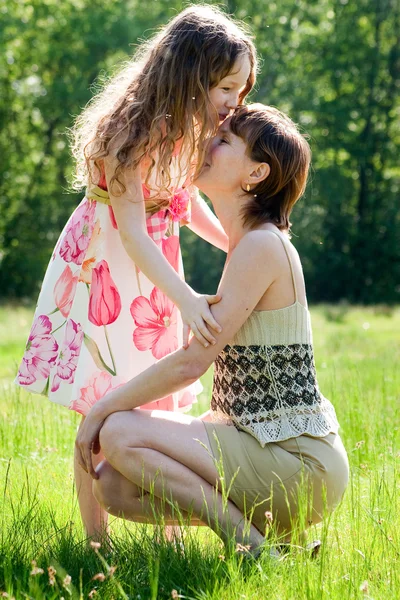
{"type": "Point", "coordinates": [52, 54]}
{"type": "Point", "coordinates": [334, 65]}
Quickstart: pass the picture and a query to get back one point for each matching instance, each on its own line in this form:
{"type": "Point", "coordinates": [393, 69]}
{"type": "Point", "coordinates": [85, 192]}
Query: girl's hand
{"type": "Point", "coordinates": [196, 315]}
{"type": "Point", "coordinates": [87, 441]}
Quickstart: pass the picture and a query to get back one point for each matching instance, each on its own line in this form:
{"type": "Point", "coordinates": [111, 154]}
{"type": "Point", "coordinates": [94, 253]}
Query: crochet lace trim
{"type": "Point", "coordinates": [277, 426]}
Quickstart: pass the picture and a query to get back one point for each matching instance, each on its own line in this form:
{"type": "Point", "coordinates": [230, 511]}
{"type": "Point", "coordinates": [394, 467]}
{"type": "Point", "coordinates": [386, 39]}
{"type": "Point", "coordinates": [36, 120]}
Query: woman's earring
{"type": "Point", "coordinates": [248, 187]}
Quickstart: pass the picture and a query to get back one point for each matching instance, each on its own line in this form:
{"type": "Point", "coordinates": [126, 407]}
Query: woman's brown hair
{"type": "Point", "coordinates": [273, 138]}
{"type": "Point", "coordinates": [161, 96]}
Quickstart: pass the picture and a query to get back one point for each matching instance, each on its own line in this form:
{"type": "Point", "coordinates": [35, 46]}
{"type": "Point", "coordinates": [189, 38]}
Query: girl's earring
{"type": "Point", "coordinates": [248, 187]}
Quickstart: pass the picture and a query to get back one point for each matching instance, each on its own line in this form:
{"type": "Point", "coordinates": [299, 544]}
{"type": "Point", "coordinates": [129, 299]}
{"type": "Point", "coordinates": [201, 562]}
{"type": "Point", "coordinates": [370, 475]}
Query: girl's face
{"type": "Point", "coordinates": [225, 95]}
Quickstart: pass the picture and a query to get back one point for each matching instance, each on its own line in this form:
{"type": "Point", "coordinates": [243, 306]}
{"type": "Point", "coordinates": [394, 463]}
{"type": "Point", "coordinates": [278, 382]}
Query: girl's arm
{"type": "Point", "coordinates": [129, 211]}
{"type": "Point", "coordinates": [205, 224]}
{"type": "Point", "coordinates": [243, 284]}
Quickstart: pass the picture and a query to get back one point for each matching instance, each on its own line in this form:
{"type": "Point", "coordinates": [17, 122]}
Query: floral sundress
{"type": "Point", "coordinates": [99, 320]}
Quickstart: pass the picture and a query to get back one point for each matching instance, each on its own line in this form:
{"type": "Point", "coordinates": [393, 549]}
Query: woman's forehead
{"type": "Point", "coordinates": [225, 127]}
{"type": "Point", "coordinates": [234, 140]}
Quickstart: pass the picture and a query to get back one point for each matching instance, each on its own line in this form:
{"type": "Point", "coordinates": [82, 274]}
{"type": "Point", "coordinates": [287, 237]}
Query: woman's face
{"type": "Point", "coordinates": [226, 164]}
{"type": "Point", "coordinates": [225, 95]}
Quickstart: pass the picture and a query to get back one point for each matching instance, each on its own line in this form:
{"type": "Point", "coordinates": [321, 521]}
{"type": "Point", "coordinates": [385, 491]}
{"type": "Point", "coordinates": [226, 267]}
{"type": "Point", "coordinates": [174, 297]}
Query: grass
{"type": "Point", "coordinates": [357, 355]}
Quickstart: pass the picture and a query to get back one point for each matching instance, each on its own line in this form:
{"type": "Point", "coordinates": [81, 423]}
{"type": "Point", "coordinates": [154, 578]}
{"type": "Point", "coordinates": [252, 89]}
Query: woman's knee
{"type": "Point", "coordinates": [111, 435]}
{"type": "Point", "coordinates": [123, 429]}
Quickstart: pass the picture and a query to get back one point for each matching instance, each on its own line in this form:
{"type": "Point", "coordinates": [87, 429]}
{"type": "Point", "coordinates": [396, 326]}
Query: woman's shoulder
{"type": "Point", "coordinates": [257, 250]}
{"type": "Point", "coordinates": [264, 241]}
{"type": "Point", "coordinates": [271, 252]}
{"type": "Point", "coordinates": [272, 247]}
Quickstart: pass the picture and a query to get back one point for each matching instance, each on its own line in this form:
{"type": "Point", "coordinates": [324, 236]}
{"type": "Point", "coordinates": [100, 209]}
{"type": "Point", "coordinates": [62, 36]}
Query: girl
{"type": "Point", "coordinates": [107, 308]}
{"type": "Point", "coordinates": [273, 429]}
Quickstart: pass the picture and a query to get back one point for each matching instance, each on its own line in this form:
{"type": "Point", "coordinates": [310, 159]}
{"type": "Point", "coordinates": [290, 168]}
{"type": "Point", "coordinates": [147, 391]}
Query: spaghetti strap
{"type": "Point", "coordinates": [290, 263]}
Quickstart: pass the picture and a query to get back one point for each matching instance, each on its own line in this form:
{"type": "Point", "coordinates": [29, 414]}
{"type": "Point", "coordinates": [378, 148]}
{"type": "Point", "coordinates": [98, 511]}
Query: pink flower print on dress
{"type": "Point", "coordinates": [179, 207]}
{"type": "Point", "coordinates": [78, 234]}
{"type": "Point", "coordinates": [40, 353]}
{"type": "Point", "coordinates": [112, 217]}
{"type": "Point", "coordinates": [97, 387]}
{"type": "Point", "coordinates": [64, 291]}
{"type": "Point", "coordinates": [104, 301]}
{"type": "Point", "coordinates": [170, 249]}
{"type": "Point", "coordinates": [156, 324]}
{"type": "Point", "coordinates": [91, 255]}
{"type": "Point", "coordinates": [68, 355]}
{"type": "Point", "coordinates": [55, 251]}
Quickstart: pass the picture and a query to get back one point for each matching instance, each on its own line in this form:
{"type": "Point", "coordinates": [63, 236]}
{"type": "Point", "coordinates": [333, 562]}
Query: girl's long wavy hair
{"type": "Point", "coordinates": [159, 97]}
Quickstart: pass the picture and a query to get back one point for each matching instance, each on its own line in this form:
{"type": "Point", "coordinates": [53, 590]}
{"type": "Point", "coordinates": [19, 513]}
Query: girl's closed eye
{"type": "Point", "coordinates": [223, 141]}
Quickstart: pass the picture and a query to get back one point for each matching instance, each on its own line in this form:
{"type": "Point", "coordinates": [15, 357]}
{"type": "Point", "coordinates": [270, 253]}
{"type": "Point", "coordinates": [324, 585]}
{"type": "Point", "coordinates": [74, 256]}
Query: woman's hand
{"type": "Point", "coordinates": [196, 315]}
{"type": "Point", "coordinates": [87, 440]}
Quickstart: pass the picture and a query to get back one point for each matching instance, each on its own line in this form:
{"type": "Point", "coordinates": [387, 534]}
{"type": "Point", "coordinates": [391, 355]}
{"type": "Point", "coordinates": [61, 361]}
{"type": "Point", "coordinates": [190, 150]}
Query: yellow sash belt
{"type": "Point", "coordinates": [96, 193]}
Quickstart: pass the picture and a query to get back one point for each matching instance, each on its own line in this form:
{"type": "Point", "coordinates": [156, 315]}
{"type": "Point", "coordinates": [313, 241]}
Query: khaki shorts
{"type": "Point", "coordinates": [298, 480]}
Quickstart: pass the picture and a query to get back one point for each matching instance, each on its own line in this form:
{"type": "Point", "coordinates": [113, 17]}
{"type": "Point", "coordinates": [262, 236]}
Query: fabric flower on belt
{"type": "Point", "coordinates": [179, 207]}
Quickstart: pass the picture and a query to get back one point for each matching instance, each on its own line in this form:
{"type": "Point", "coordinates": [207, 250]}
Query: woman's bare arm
{"type": "Point", "coordinates": [251, 270]}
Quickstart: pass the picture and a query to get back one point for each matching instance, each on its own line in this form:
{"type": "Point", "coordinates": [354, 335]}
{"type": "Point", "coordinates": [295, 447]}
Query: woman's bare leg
{"type": "Point", "coordinates": [94, 517]}
{"type": "Point", "coordinates": [166, 478]}
{"type": "Point", "coordinates": [168, 454]}
{"type": "Point", "coordinates": [122, 498]}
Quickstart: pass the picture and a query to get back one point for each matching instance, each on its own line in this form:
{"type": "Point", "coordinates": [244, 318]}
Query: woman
{"type": "Point", "coordinates": [285, 431]}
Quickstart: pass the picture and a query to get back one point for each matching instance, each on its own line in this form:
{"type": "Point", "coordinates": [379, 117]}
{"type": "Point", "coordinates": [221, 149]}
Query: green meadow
{"type": "Point", "coordinates": [357, 354]}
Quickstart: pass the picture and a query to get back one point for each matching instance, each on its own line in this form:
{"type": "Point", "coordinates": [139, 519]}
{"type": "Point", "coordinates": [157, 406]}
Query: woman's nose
{"type": "Point", "coordinates": [207, 144]}
{"type": "Point", "coordinates": [211, 145]}
{"type": "Point", "coordinates": [207, 148]}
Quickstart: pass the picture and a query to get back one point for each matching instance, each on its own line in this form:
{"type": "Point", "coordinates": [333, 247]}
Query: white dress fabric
{"type": "Point", "coordinates": [99, 320]}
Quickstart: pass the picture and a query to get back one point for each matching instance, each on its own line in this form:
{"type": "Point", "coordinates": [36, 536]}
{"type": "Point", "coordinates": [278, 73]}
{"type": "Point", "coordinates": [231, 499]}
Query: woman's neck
{"type": "Point", "coordinates": [229, 215]}
{"type": "Point", "coordinates": [229, 212]}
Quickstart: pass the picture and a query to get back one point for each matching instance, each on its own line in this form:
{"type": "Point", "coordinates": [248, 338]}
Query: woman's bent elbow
{"type": "Point", "coordinates": [192, 370]}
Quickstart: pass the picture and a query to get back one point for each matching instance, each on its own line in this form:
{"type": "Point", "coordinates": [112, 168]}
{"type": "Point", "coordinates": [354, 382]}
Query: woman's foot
{"type": "Point", "coordinates": [254, 553]}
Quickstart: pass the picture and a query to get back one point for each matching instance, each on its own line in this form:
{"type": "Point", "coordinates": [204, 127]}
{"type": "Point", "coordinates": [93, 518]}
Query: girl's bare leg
{"type": "Point", "coordinates": [173, 533]}
{"type": "Point", "coordinates": [94, 517]}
